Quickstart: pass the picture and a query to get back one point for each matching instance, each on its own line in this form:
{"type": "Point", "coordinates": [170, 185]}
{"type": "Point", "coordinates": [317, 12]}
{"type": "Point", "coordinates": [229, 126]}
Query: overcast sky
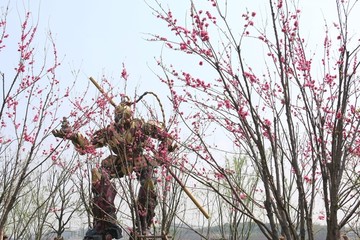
{"type": "Point", "coordinates": [96, 37]}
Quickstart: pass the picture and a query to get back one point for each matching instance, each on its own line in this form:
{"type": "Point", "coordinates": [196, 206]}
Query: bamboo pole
{"type": "Point", "coordinates": [186, 190]}
{"type": "Point", "coordinates": [102, 91]}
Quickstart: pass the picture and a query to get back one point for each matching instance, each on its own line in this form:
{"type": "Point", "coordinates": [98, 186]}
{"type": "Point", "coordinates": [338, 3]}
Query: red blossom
{"type": "Point", "coordinates": [329, 79]}
{"type": "Point", "coordinates": [124, 74]}
{"type": "Point", "coordinates": [168, 178]}
{"type": "Point", "coordinates": [36, 118]}
{"type": "Point", "coordinates": [338, 115]}
{"type": "Point", "coordinates": [243, 196]}
{"type": "Point", "coordinates": [267, 122]}
{"type": "Point", "coordinates": [28, 138]}
{"type": "Point", "coordinates": [183, 46]}
{"type": "Point", "coordinates": [204, 35]}
{"type": "Point", "coordinates": [227, 103]}
{"type": "Point", "coordinates": [53, 157]}
{"type": "Point", "coordinates": [250, 76]}
{"type": "Point", "coordinates": [307, 179]}
{"type": "Point", "coordinates": [242, 112]}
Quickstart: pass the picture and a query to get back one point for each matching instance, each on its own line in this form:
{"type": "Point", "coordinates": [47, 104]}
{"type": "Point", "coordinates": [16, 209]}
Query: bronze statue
{"type": "Point", "coordinates": [128, 138]}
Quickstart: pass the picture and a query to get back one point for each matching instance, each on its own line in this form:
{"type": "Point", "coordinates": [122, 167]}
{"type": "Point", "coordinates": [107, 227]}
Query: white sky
{"type": "Point", "coordinates": [96, 37]}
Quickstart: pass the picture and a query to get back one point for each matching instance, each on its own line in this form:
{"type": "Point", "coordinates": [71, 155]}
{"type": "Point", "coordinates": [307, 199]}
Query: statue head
{"type": "Point", "coordinates": [123, 111]}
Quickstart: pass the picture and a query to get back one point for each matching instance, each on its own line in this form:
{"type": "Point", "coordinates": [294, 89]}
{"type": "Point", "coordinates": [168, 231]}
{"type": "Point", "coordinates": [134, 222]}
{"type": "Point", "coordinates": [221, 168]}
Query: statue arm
{"type": "Point", "coordinates": [156, 130]}
{"type": "Point", "coordinates": [80, 142]}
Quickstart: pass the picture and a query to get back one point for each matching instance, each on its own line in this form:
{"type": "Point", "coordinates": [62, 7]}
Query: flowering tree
{"type": "Point", "coordinates": [64, 203]}
{"type": "Point", "coordinates": [43, 209]}
{"type": "Point", "coordinates": [30, 101]}
{"type": "Point", "coordinates": [292, 112]}
{"type": "Point", "coordinates": [239, 225]}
